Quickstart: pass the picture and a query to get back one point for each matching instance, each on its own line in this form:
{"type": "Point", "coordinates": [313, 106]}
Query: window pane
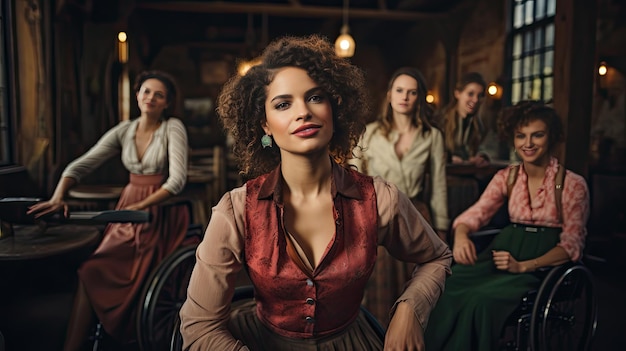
{"type": "Point", "coordinates": [536, 92]}
{"type": "Point", "coordinates": [516, 69]}
{"type": "Point", "coordinates": [526, 66]}
{"type": "Point", "coordinates": [548, 63]}
{"type": "Point", "coordinates": [540, 9]}
{"type": "Point", "coordinates": [516, 92]}
{"type": "Point", "coordinates": [536, 64]}
{"type": "Point", "coordinates": [528, 40]}
{"type": "Point", "coordinates": [551, 7]}
{"type": "Point", "coordinates": [517, 45]}
{"type": "Point", "coordinates": [550, 34]}
{"type": "Point", "coordinates": [517, 15]}
{"type": "Point", "coordinates": [528, 11]}
{"type": "Point", "coordinates": [547, 89]}
{"type": "Point", "coordinates": [538, 38]}
{"type": "Point", "coordinates": [526, 90]}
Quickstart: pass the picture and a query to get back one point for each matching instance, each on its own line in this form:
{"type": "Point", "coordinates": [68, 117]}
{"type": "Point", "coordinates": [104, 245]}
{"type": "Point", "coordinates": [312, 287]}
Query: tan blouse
{"type": "Point", "coordinates": [401, 230]}
{"type": "Point", "coordinates": [426, 154]}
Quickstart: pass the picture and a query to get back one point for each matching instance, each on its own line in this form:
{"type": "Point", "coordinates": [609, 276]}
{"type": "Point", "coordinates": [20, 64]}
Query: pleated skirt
{"type": "Point", "coordinates": [114, 274]}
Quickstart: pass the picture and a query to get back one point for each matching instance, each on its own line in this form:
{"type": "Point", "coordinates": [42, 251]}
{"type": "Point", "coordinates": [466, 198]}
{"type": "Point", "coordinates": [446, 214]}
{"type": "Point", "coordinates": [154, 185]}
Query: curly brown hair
{"type": "Point", "coordinates": [170, 85]}
{"type": "Point", "coordinates": [241, 103]}
{"type": "Point", "coordinates": [524, 112]}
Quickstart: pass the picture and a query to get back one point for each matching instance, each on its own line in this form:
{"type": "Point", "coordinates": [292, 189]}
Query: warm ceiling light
{"type": "Point", "coordinates": [602, 69]}
{"type": "Point", "coordinates": [244, 66]}
{"type": "Point", "coordinates": [345, 45]}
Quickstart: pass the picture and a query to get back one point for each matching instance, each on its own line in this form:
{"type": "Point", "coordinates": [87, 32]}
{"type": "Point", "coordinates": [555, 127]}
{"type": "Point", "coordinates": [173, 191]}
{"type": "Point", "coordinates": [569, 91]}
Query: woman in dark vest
{"type": "Point", "coordinates": [305, 227]}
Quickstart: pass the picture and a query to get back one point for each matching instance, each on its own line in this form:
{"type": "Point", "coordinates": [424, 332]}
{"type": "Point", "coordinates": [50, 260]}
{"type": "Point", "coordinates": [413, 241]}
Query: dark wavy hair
{"type": "Point", "coordinates": [524, 112]}
{"type": "Point", "coordinates": [450, 123]}
{"type": "Point", "coordinates": [423, 112]}
{"type": "Point", "coordinates": [241, 103]}
{"type": "Point", "coordinates": [170, 85]}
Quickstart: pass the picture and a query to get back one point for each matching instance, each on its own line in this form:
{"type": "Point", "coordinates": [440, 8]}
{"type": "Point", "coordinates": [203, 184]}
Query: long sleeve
{"type": "Point", "coordinates": [439, 196]}
{"type": "Point", "coordinates": [480, 213]}
{"type": "Point", "coordinates": [543, 210]}
{"type": "Point", "coordinates": [205, 313]}
{"type": "Point", "coordinates": [407, 236]}
{"type": "Point", "coordinates": [109, 145]}
{"type": "Point", "coordinates": [177, 151]}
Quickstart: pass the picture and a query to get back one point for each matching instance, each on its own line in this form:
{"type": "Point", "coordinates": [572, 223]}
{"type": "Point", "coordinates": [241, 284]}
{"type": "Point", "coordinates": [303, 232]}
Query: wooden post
{"type": "Point", "coordinates": [574, 56]}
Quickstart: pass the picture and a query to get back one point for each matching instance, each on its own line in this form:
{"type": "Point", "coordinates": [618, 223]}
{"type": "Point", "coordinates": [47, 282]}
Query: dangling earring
{"type": "Point", "coordinates": [266, 141]}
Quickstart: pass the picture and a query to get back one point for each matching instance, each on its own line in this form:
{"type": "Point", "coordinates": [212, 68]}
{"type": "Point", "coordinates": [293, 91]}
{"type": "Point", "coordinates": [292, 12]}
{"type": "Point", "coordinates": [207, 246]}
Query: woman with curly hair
{"type": "Point", "coordinates": [305, 227]}
{"type": "Point", "coordinates": [548, 209]}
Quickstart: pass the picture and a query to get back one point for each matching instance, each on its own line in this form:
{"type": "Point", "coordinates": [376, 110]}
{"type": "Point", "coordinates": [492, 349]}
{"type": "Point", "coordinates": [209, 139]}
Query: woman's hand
{"type": "Point", "coordinates": [464, 251]}
{"type": "Point", "coordinates": [404, 332]}
{"type": "Point", "coordinates": [137, 206]}
{"type": "Point", "coordinates": [48, 207]}
{"type": "Point", "coordinates": [479, 161]}
{"type": "Point", "coordinates": [504, 261]}
{"type": "Point", "coordinates": [457, 159]}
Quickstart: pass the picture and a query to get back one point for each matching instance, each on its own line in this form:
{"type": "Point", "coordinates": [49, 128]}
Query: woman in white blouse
{"type": "Point", "coordinates": [153, 149]}
{"type": "Point", "coordinates": [402, 146]}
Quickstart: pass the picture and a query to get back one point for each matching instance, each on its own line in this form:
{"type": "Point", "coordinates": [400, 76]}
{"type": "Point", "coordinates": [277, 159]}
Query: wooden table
{"type": "Point", "coordinates": [103, 196]}
{"type": "Point", "coordinates": [466, 182]}
{"type": "Point", "coordinates": [31, 242]}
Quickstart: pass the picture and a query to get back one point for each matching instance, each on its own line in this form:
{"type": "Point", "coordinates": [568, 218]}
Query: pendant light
{"type": "Point", "coordinates": [344, 45]}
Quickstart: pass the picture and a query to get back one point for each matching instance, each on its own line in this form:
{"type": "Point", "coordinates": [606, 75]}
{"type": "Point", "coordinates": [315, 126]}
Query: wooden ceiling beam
{"type": "Point", "coordinates": [295, 10]}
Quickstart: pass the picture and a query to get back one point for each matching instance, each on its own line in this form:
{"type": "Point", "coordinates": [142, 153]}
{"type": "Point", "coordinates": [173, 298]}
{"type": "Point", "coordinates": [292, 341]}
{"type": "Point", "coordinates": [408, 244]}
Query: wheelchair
{"type": "Point", "coordinates": [245, 293]}
{"type": "Point", "coordinates": [561, 314]}
{"type": "Point", "coordinates": [162, 294]}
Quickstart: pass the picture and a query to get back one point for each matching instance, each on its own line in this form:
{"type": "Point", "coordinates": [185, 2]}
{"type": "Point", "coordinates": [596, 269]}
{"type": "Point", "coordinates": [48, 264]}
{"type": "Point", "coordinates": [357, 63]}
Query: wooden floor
{"type": "Point", "coordinates": [35, 299]}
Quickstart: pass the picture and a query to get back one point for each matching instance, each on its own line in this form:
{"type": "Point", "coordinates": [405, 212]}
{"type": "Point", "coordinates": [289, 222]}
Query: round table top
{"type": "Point", "coordinates": [30, 242]}
{"type": "Point", "coordinates": [96, 192]}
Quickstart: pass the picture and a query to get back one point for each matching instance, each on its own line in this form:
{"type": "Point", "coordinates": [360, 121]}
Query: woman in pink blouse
{"type": "Point", "coordinates": [304, 227]}
{"type": "Point", "coordinates": [486, 287]}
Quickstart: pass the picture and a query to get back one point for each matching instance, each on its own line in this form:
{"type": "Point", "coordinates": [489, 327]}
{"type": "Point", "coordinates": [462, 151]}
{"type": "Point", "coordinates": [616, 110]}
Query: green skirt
{"type": "Point", "coordinates": [478, 299]}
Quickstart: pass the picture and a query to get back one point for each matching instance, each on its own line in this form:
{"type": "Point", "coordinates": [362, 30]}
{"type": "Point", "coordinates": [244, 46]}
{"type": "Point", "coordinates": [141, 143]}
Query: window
{"type": "Point", "coordinates": [531, 49]}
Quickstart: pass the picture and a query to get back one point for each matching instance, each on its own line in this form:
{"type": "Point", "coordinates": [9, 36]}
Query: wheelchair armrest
{"type": "Point", "coordinates": [110, 216]}
{"type": "Point", "coordinates": [485, 232]}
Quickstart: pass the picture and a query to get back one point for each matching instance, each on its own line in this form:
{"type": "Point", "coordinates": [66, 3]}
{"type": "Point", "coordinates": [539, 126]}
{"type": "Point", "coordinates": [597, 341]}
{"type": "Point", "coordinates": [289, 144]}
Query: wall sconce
{"type": "Point", "coordinates": [122, 47]}
{"type": "Point", "coordinates": [345, 45]}
{"type": "Point", "coordinates": [430, 98]}
{"type": "Point", "coordinates": [602, 69]}
{"type": "Point", "coordinates": [494, 90]}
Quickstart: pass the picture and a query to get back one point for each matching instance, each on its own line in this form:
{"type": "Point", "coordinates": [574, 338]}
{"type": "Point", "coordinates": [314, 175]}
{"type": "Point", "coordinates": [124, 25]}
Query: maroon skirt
{"type": "Point", "coordinates": [114, 274]}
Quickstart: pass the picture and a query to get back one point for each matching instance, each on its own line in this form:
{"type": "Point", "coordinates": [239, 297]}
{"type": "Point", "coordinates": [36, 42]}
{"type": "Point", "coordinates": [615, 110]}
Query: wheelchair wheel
{"type": "Point", "coordinates": [565, 313]}
{"type": "Point", "coordinates": [163, 295]}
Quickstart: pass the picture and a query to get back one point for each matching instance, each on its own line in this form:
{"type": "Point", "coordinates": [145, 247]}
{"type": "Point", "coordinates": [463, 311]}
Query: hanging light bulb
{"type": "Point", "coordinates": [345, 45]}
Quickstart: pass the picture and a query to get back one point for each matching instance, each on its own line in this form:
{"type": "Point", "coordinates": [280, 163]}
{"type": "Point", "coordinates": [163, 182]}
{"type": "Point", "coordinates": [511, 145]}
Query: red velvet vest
{"type": "Point", "coordinates": [291, 302]}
